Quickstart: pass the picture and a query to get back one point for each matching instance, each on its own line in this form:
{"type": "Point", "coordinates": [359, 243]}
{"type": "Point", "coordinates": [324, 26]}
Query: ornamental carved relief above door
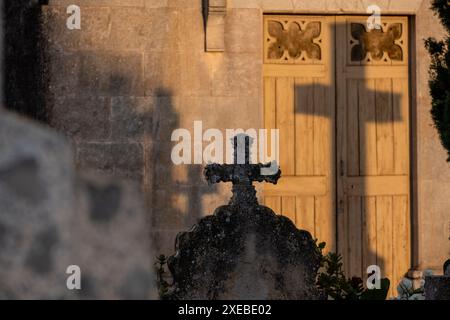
{"type": "Point", "coordinates": [339, 94]}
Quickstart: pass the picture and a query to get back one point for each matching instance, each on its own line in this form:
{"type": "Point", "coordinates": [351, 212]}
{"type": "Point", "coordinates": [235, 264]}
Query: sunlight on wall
{"type": "Point", "coordinates": [1, 51]}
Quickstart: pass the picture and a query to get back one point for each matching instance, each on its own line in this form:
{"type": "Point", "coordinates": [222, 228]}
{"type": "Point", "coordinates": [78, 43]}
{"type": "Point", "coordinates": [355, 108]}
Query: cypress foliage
{"type": "Point", "coordinates": [440, 75]}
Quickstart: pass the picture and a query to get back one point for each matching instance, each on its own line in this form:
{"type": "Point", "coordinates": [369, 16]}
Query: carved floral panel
{"type": "Point", "coordinates": [292, 41]}
{"type": "Point", "coordinates": [385, 45]}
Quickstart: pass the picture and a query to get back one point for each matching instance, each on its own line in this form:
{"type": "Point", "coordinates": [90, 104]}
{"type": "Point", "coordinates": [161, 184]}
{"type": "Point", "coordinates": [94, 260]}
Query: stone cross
{"type": "Point", "coordinates": [241, 173]}
{"type": "Point", "coordinates": [244, 250]}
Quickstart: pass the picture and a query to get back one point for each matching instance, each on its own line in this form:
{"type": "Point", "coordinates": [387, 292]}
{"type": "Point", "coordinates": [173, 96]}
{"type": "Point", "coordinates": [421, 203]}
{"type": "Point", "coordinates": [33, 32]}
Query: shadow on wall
{"type": "Point", "coordinates": [23, 58]}
{"type": "Point", "coordinates": [176, 191]}
{"type": "Point", "coordinates": [361, 227]}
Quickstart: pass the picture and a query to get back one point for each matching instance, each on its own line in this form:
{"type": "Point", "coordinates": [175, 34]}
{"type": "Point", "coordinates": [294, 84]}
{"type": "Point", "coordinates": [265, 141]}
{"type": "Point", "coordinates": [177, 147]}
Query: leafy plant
{"type": "Point", "coordinates": [377, 294]}
{"type": "Point", "coordinates": [440, 75]}
{"type": "Point", "coordinates": [337, 286]}
{"type": "Point", "coordinates": [161, 276]}
{"type": "Point", "coordinates": [334, 282]}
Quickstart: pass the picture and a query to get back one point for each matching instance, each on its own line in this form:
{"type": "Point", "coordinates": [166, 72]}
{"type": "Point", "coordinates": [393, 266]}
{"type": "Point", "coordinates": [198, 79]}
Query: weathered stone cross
{"type": "Point", "coordinates": [241, 173]}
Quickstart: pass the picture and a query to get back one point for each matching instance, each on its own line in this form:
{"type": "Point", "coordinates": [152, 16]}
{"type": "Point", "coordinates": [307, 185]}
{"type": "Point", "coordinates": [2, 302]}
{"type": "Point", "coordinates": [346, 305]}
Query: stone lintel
{"type": "Point", "coordinates": [290, 6]}
{"type": "Point", "coordinates": [330, 6]}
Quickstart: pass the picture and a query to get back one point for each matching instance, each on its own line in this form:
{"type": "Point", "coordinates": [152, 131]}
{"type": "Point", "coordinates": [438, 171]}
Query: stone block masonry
{"type": "Point", "coordinates": [136, 71]}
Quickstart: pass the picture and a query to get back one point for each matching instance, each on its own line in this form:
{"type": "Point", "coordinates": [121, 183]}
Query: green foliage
{"type": "Point", "coordinates": [440, 75]}
{"type": "Point", "coordinates": [337, 286]}
{"type": "Point", "coordinates": [334, 282]}
{"type": "Point", "coordinates": [377, 294]}
{"type": "Point", "coordinates": [319, 247]}
{"type": "Point", "coordinates": [161, 275]}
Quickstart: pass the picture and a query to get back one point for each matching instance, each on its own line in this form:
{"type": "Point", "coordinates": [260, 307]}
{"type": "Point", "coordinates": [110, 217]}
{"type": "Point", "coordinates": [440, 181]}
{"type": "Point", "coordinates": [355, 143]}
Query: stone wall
{"type": "Point", "coordinates": [432, 183]}
{"type": "Point", "coordinates": [137, 69]}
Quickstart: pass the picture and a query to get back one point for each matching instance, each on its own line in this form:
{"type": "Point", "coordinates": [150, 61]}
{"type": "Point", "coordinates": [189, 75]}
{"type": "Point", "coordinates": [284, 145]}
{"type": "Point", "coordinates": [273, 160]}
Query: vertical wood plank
{"type": "Point", "coordinates": [367, 128]}
{"type": "Point", "coordinates": [344, 242]}
{"type": "Point", "coordinates": [355, 241]}
{"type": "Point", "coordinates": [321, 129]}
{"type": "Point", "coordinates": [269, 114]}
{"type": "Point", "coordinates": [369, 236]}
{"type": "Point", "coordinates": [304, 126]}
{"type": "Point", "coordinates": [324, 221]}
{"type": "Point", "coordinates": [285, 122]}
{"type": "Point", "coordinates": [384, 235]}
{"type": "Point", "coordinates": [323, 115]}
{"type": "Point", "coordinates": [352, 128]}
{"type": "Point", "coordinates": [288, 207]}
{"type": "Point", "coordinates": [329, 82]}
{"type": "Point", "coordinates": [400, 117]}
{"type": "Point", "coordinates": [305, 214]}
{"type": "Point", "coordinates": [341, 137]}
{"type": "Point", "coordinates": [401, 239]}
{"type": "Point", "coordinates": [385, 134]}
{"type": "Point", "coordinates": [274, 203]}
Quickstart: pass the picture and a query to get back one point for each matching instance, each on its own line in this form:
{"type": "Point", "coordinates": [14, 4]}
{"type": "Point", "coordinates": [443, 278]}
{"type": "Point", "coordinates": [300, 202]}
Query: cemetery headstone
{"type": "Point", "coordinates": [51, 217]}
{"type": "Point", "coordinates": [244, 250]}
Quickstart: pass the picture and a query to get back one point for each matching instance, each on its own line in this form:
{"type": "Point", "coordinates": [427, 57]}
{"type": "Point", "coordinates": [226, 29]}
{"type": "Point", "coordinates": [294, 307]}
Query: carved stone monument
{"type": "Point", "coordinates": [244, 250]}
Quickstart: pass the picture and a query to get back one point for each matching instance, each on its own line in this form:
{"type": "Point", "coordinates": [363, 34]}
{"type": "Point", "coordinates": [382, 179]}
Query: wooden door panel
{"type": "Point", "coordinates": [299, 101]}
{"type": "Point", "coordinates": [401, 129]}
{"type": "Point", "coordinates": [384, 126]}
{"type": "Point", "coordinates": [373, 148]}
{"type": "Point", "coordinates": [369, 231]}
{"type": "Point", "coordinates": [285, 120]}
{"type": "Point", "coordinates": [305, 213]}
{"type": "Point", "coordinates": [367, 128]}
{"type": "Point", "coordinates": [304, 127]}
{"type": "Point", "coordinates": [353, 144]}
{"type": "Point", "coordinates": [274, 202]}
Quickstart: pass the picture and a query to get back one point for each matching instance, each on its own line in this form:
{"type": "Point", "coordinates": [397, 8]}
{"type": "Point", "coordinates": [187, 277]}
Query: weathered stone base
{"type": "Point", "coordinates": [437, 288]}
{"type": "Point", "coordinates": [245, 255]}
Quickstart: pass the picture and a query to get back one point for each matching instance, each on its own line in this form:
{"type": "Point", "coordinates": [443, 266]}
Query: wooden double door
{"type": "Point", "coordinates": [339, 94]}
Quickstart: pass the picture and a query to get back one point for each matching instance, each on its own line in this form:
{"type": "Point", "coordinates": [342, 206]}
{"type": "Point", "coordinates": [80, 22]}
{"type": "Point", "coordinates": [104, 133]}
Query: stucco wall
{"type": "Point", "coordinates": [137, 69]}
{"type": "Point", "coordinates": [433, 172]}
